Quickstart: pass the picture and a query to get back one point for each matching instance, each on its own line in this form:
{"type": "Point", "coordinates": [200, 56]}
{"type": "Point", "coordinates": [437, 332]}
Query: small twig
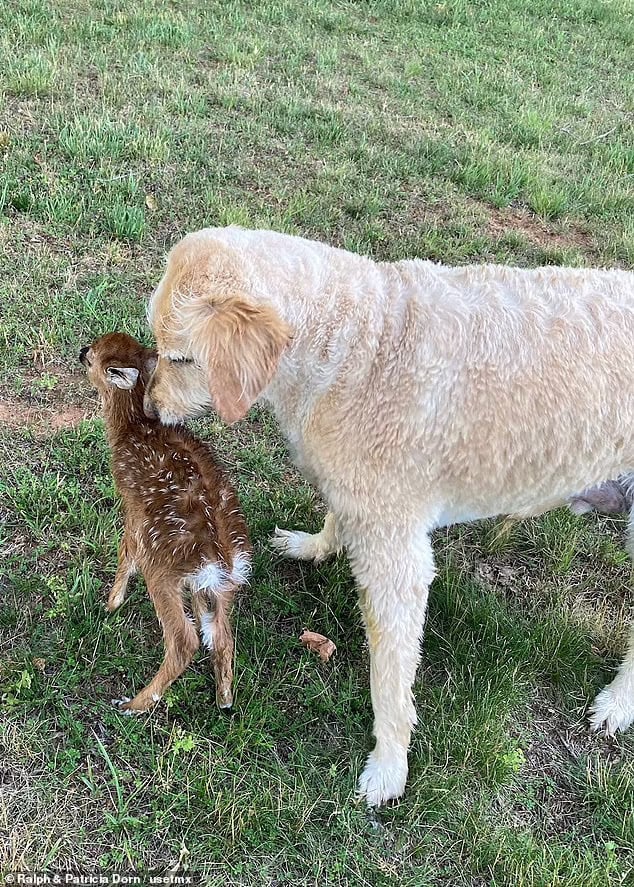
{"type": "Point", "coordinates": [599, 137]}
{"type": "Point", "coordinates": [569, 748]}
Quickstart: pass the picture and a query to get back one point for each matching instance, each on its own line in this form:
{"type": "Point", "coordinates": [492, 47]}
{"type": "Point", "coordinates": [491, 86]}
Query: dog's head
{"type": "Point", "coordinates": [217, 347]}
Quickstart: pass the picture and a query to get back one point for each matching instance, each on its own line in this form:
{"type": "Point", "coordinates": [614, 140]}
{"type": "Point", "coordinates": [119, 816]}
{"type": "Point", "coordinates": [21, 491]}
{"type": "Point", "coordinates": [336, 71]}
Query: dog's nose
{"type": "Point", "coordinates": [148, 408]}
{"type": "Point", "coordinates": [83, 353]}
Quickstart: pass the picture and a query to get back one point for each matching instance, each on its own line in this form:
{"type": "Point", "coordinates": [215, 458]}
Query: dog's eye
{"type": "Point", "coordinates": [180, 360]}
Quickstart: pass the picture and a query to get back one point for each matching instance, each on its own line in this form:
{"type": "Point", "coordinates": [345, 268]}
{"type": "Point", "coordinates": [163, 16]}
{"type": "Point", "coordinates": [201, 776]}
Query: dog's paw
{"type": "Point", "coordinates": [612, 711]}
{"type": "Point", "coordinates": [298, 545]}
{"type": "Point", "coordinates": [382, 780]}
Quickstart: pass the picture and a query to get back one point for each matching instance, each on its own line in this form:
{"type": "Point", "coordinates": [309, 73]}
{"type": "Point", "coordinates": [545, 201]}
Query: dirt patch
{"type": "Point", "coordinates": [540, 232]}
{"type": "Point", "coordinates": [48, 403]}
{"type": "Point", "coordinates": [15, 414]}
{"type": "Point", "coordinates": [549, 794]}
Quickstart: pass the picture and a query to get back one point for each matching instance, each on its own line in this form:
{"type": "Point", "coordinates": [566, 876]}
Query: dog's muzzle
{"type": "Point", "coordinates": [148, 407]}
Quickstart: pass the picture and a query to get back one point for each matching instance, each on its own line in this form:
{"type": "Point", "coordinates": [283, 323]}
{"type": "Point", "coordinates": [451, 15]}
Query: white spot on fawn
{"type": "Point", "coordinates": [211, 576]}
{"type": "Point", "coordinates": [207, 630]}
{"type": "Point", "coordinates": [241, 568]}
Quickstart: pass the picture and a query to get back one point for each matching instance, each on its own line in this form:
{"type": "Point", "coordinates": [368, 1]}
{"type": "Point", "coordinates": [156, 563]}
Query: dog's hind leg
{"type": "Point", "coordinates": [394, 574]}
{"type": "Point", "coordinates": [308, 546]}
{"type": "Point", "coordinates": [629, 539]}
{"type": "Point", "coordinates": [613, 708]}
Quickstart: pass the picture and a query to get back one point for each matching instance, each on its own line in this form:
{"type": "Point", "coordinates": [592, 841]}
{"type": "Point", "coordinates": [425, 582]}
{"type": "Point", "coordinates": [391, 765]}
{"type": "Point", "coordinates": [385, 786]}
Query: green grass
{"type": "Point", "coordinates": [459, 131]}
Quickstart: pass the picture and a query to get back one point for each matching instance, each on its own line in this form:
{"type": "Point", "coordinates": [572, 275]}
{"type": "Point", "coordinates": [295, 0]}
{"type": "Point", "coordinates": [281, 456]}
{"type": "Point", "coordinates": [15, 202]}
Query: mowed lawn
{"type": "Point", "coordinates": [465, 130]}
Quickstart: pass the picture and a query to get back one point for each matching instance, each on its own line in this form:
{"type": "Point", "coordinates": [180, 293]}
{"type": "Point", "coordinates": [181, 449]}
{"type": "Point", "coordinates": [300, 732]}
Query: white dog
{"type": "Point", "coordinates": [413, 395]}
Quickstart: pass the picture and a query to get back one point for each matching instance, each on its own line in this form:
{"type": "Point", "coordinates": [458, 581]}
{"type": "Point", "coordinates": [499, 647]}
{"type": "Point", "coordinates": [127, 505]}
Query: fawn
{"type": "Point", "coordinates": [183, 527]}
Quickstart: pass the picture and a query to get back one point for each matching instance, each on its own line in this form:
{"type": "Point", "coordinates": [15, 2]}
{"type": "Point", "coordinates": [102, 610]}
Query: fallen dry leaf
{"type": "Point", "coordinates": [317, 643]}
{"type": "Point", "coordinates": [150, 201]}
{"type": "Point", "coordinates": [40, 664]}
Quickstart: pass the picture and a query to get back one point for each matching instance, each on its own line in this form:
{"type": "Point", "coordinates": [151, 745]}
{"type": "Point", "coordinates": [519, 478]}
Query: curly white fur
{"type": "Point", "coordinates": [413, 395]}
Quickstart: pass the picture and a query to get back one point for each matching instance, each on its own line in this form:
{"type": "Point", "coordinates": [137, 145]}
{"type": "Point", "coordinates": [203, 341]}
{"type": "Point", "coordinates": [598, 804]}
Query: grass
{"type": "Point", "coordinates": [459, 131]}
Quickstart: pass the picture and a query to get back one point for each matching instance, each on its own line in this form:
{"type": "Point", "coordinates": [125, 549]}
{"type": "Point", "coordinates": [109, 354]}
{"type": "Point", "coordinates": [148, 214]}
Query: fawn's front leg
{"type": "Point", "coordinates": [126, 568]}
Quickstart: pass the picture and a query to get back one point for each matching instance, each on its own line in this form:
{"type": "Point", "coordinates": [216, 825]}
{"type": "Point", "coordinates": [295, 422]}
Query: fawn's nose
{"type": "Point", "coordinates": [83, 353]}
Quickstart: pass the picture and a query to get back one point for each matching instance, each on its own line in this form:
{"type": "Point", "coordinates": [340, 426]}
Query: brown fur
{"type": "Point", "coordinates": [181, 514]}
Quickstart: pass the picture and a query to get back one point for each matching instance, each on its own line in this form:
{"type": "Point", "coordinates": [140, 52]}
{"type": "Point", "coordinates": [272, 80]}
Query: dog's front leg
{"type": "Point", "coordinates": [308, 546]}
{"type": "Point", "coordinates": [394, 569]}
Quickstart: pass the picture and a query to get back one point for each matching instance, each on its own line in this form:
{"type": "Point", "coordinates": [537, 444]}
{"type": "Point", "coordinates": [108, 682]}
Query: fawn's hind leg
{"type": "Point", "coordinates": [126, 568]}
{"type": "Point", "coordinates": [212, 610]}
{"type": "Point", "coordinates": [181, 642]}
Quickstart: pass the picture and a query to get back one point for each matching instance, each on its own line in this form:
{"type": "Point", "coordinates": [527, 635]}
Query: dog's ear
{"type": "Point", "coordinates": [241, 343]}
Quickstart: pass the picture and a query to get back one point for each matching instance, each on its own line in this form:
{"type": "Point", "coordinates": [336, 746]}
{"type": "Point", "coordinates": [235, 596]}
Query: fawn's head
{"type": "Point", "coordinates": [117, 361]}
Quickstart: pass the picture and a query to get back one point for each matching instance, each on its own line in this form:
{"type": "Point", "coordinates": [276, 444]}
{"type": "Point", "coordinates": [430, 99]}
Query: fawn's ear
{"type": "Point", "coordinates": [240, 344]}
{"type": "Point", "coordinates": [122, 377]}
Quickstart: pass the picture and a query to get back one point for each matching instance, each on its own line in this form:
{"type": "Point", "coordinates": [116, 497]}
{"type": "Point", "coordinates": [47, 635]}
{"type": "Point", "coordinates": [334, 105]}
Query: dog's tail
{"type": "Point", "coordinates": [610, 497]}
